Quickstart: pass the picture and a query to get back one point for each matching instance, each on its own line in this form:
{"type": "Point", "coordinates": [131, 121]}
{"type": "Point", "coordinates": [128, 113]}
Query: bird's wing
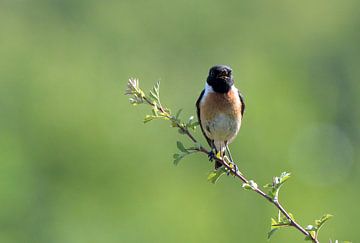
{"type": "Point", "coordinates": [242, 104]}
{"type": "Point", "coordinates": [198, 115]}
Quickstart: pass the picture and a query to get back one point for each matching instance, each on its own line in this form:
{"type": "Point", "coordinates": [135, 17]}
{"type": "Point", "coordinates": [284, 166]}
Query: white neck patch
{"type": "Point", "coordinates": [209, 90]}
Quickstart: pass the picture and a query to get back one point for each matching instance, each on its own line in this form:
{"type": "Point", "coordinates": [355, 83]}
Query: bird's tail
{"type": "Point", "coordinates": [217, 165]}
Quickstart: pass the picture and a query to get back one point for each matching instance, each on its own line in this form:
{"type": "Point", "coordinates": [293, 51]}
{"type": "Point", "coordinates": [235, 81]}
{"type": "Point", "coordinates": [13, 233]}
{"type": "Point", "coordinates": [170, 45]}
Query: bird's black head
{"type": "Point", "coordinates": [220, 78]}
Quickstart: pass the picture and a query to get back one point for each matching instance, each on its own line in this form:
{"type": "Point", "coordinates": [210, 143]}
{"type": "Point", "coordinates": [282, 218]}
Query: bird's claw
{"type": "Point", "coordinates": [211, 156]}
{"type": "Point", "coordinates": [235, 169]}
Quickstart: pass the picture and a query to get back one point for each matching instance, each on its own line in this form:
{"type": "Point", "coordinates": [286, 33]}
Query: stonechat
{"type": "Point", "coordinates": [220, 109]}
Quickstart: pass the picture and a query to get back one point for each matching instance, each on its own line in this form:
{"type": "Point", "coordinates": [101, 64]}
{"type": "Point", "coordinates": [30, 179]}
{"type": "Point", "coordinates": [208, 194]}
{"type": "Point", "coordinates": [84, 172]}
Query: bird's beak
{"type": "Point", "coordinates": [223, 74]}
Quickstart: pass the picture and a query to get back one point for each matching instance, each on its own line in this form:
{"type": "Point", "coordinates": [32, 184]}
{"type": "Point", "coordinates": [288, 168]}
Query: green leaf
{"type": "Point", "coordinates": [251, 185]}
{"type": "Point", "coordinates": [273, 222]}
{"type": "Point", "coordinates": [308, 238]}
{"type": "Point", "coordinates": [272, 193]}
{"type": "Point", "coordinates": [181, 131]}
{"type": "Point", "coordinates": [275, 225]}
{"type": "Point", "coordinates": [177, 158]}
{"type": "Point", "coordinates": [178, 114]}
{"type": "Point", "coordinates": [281, 222]}
{"type": "Point", "coordinates": [167, 110]}
{"type": "Point", "coordinates": [291, 216]}
{"type": "Point", "coordinates": [148, 118]}
{"type": "Point", "coordinates": [157, 87]}
{"type": "Point", "coordinates": [181, 147]}
{"type": "Point", "coordinates": [284, 177]}
{"type": "Point", "coordinates": [214, 176]}
{"type": "Point", "coordinates": [155, 110]}
{"type": "Point", "coordinates": [154, 92]}
{"type": "Point", "coordinates": [136, 100]}
{"type": "Point", "coordinates": [153, 95]}
{"type": "Point", "coordinates": [194, 125]}
{"type": "Point", "coordinates": [133, 101]}
{"type": "Point", "coordinates": [320, 222]}
{"type": "Point", "coordinates": [268, 185]}
{"type": "Point", "coordinates": [246, 186]}
{"type": "Point", "coordinates": [274, 187]}
{"type": "Point", "coordinates": [271, 233]}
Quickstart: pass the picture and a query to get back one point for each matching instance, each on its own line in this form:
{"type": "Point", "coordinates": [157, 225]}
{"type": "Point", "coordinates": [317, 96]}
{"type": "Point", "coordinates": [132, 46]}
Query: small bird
{"type": "Point", "coordinates": [220, 109]}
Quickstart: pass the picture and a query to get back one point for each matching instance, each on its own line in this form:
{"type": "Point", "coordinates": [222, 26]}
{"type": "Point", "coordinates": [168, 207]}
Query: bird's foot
{"type": "Point", "coordinates": [234, 169]}
{"type": "Point", "coordinates": [211, 156]}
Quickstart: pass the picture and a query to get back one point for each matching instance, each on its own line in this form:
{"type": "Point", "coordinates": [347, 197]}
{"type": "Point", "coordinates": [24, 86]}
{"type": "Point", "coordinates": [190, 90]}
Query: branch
{"type": "Point", "coordinates": [284, 219]}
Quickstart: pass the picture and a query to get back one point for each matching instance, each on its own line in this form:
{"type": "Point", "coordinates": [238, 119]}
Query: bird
{"type": "Point", "coordinates": [220, 109]}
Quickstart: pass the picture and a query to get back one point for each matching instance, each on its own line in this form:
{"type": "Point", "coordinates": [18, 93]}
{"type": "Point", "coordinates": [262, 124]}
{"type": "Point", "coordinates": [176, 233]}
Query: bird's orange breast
{"type": "Point", "coordinates": [214, 104]}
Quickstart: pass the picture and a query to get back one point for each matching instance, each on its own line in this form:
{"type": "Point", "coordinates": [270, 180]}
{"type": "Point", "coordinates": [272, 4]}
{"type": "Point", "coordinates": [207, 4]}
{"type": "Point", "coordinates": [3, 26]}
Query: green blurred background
{"type": "Point", "coordinates": [78, 165]}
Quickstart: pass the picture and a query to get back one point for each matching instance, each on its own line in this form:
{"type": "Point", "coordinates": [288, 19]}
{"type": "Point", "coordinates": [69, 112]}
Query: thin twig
{"type": "Point", "coordinates": [237, 174]}
{"type": "Point", "coordinates": [234, 171]}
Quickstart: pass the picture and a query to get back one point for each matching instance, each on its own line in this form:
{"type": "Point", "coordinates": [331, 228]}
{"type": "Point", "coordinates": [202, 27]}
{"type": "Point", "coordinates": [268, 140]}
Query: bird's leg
{"type": "Point", "coordinates": [231, 160]}
{"type": "Point", "coordinates": [226, 158]}
{"type": "Point", "coordinates": [228, 152]}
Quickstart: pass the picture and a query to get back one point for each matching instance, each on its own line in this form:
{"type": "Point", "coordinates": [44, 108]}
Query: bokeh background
{"type": "Point", "coordinates": [78, 165]}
